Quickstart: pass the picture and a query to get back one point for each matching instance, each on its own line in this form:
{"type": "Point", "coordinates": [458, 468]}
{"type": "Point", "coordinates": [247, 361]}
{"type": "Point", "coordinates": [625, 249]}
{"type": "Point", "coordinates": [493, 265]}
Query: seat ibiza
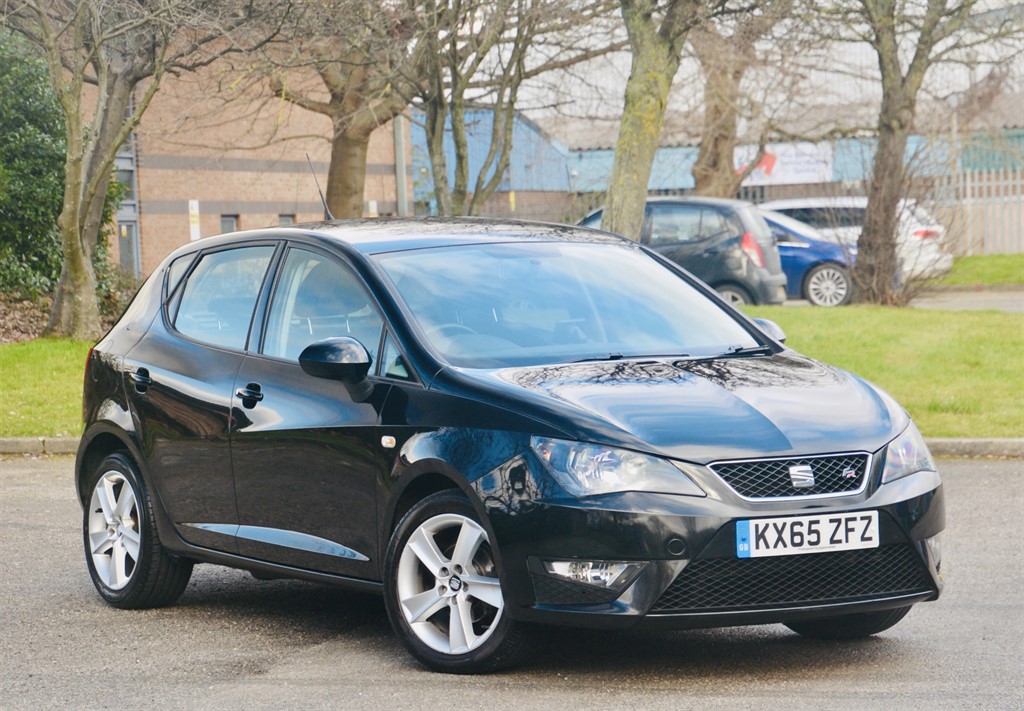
{"type": "Point", "coordinates": [494, 425]}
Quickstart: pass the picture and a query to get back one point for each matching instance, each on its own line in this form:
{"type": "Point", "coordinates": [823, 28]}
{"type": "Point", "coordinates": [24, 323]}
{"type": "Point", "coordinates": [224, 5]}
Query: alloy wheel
{"type": "Point", "coordinates": [114, 535]}
{"type": "Point", "coordinates": [447, 584]}
{"type": "Point", "coordinates": [828, 286]}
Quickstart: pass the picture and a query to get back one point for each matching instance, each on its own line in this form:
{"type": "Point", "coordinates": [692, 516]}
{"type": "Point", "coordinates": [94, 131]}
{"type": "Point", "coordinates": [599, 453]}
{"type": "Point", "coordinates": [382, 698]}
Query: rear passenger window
{"type": "Point", "coordinates": [671, 224]}
{"type": "Point", "coordinates": [317, 298]}
{"type": "Point", "coordinates": [217, 303]}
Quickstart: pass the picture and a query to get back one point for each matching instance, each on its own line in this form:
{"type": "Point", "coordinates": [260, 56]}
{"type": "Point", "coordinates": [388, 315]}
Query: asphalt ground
{"type": "Point", "coordinates": [233, 642]}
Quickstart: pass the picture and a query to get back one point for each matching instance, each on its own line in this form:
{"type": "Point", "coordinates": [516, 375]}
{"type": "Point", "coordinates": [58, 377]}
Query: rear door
{"type": "Point", "coordinates": [179, 380]}
{"type": "Point", "coordinates": [699, 238]}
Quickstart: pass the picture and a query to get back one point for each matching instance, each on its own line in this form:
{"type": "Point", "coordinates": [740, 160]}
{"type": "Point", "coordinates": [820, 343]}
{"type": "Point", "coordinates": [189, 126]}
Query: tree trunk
{"type": "Point", "coordinates": [76, 311]}
{"type": "Point", "coordinates": [436, 115]}
{"type": "Point", "coordinates": [714, 173]}
{"type": "Point", "coordinates": [877, 267]}
{"type": "Point", "coordinates": [346, 177]}
{"type": "Point", "coordinates": [654, 65]}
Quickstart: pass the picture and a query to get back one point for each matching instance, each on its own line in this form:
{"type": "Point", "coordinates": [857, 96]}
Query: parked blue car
{"type": "Point", "coordinates": [816, 268]}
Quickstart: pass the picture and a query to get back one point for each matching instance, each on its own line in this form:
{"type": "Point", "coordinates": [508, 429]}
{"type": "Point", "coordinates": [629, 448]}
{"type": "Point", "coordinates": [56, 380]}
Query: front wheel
{"type": "Point", "coordinates": [128, 565]}
{"type": "Point", "coordinates": [855, 626]}
{"type": "Point", "coordinates": [443, 593]}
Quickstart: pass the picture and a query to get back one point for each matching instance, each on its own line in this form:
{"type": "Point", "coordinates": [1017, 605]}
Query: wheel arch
{"type": "Point", "coordinates": [735, 286]}
{"type": "Point", "coordinates": [93, 450]}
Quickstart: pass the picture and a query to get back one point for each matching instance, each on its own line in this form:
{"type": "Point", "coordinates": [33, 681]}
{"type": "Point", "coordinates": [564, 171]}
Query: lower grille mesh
{"type": "Point", "coordinates": [737, 583]}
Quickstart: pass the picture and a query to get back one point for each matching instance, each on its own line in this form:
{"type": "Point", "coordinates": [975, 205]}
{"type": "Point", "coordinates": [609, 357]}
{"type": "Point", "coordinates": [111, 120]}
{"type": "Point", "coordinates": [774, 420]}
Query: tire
{"type": "Point", "coordinates": [127, 563]}
{"type": "Point", "coordinates": [440, 574]}
{"type": "Point", "coordinates": [828, 285]}
{"type": "Point", "coordinates": [855, 626]}
{"type": "Point", "coordinates": [735, 295]}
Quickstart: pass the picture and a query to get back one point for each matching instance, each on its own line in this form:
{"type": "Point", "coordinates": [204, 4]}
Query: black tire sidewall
{"type": "Point", "coordinates": [123, 465]}
{"type": "Point", "coordinates": [491, 654]}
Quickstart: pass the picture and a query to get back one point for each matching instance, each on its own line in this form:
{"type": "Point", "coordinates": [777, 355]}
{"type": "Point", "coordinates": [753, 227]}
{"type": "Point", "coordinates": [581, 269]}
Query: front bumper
{"type": "Point", "coordinates": [693, 577]}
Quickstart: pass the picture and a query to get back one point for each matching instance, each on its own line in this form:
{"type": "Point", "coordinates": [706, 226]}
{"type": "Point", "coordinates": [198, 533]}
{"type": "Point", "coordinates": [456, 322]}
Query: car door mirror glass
{"type": "Point", "coordinates": [344, 359]}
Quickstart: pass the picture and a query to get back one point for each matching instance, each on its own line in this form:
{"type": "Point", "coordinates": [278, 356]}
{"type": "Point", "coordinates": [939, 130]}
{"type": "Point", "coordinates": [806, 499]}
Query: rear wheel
{"type": "Point", "coordinates": [127, 563]}
{"type": "Point", "coordinates": [855, 626]}
{"type": "Point", "coordinates": [735, 295]}
{"type": "Point", "coordinates": [442, 590]}
{"type": "Point", "coordinates": [828, 285]}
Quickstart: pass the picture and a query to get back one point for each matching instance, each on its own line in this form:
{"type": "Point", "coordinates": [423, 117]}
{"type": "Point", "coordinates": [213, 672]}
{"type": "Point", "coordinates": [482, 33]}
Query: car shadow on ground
{"type": "Point", "coordinates": [313, 613]}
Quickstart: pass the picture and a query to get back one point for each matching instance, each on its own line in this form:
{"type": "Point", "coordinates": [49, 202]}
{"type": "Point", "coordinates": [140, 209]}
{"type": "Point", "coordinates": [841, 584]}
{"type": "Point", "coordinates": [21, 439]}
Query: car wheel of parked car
{"type": "Point", "coordinates": [862, 624]}
{"type": "Point", "coordinates": [735, 295]}
{"type": "Point", "coordinates": [127, 563]}
{"type": "Point", "coordinates": [828, 285]}
{"type": "Point", "coordinates": [443, 593]}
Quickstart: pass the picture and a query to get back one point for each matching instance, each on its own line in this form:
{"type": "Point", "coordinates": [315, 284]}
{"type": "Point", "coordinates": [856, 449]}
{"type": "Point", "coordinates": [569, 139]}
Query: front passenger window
{"type": "Point", "coordinates": [317, 298]}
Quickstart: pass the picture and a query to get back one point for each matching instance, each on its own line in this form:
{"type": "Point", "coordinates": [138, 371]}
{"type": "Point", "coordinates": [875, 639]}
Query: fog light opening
{"type": "Point", "coordinates": [611, 575]}
{"type": "Point", "coordinates": [934, 546]}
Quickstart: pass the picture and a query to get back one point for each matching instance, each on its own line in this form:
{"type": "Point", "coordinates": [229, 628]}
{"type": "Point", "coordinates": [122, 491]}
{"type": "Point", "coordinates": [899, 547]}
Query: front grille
{"type": "Point", "coordinates": [815, 578]}
{"type": "Point", "coordinates": [770, 478]}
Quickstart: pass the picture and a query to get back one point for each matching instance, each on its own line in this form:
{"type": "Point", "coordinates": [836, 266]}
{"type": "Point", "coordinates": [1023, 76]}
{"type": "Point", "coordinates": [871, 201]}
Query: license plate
{"type": "Point", "coordinates": [795, 535]}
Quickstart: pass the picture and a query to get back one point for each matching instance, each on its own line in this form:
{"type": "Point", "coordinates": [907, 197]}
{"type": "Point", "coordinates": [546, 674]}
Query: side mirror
{"type": "Point", "coordinates": [771, 328]}
{"type": "Point", "coordinates": [344, 359]}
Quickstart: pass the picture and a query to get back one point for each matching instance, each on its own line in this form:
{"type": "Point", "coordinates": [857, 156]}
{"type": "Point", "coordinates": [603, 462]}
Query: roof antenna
{"type": "Point", "coordinates": [327, 210]}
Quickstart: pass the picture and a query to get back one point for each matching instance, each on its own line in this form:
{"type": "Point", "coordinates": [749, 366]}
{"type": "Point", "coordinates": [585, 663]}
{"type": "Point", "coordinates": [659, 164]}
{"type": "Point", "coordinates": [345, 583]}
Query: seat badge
{"type": "Point", "coordinates": [801, 476]}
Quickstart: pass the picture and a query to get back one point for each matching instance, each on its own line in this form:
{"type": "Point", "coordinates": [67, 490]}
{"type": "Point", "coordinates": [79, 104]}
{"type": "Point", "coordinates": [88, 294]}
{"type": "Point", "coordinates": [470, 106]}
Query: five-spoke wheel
{"type": "Point", "coordinates": [128, 565]}
{"type": "Point", "coordinates": [443, 591]}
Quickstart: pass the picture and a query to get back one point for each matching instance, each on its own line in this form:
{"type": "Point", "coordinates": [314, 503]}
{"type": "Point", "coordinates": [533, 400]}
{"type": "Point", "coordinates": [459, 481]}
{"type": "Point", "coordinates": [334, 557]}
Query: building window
{"type": "Point", "coordinates": [228, 223]}
{"type": "Point", "coordinates": [286, 219]}
{"type": "Point", "coordinates": [127, 178]}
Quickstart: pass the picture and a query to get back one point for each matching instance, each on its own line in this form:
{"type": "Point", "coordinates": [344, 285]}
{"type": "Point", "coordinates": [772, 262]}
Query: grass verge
{"type": "Point", "coordinates": [958, 373]}
{"type": "Point", "coordinates": [41, 388]}
{"type": "Point", "coordinates": [986, 270]}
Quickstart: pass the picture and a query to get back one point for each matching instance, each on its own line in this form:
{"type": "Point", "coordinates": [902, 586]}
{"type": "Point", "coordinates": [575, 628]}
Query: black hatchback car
{"type": "Point", "coordinates": [494, 425]}
{"type": "Point", "coordinates": [726, 243]}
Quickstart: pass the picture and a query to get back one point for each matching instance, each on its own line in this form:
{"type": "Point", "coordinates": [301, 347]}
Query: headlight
{"type": "Point", "coordinates": [905, 455]}
{"type": "Point", "coordinates": [587, 469]}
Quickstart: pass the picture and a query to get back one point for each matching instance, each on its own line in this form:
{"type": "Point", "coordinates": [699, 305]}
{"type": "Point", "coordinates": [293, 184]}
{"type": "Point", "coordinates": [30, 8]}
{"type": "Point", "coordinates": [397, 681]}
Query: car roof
{"type": "Point", "coordinates": [701, 200]}
{"type": "Point", "coordinates": [833, 201]}
{"type": "Point", "coordinates": [787, 222]}
{"type": "Point", "coordinates": [380, 235]}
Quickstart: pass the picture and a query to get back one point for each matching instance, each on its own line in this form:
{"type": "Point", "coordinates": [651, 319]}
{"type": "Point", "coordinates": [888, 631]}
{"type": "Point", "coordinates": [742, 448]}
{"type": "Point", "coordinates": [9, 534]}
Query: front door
{"type": "Point", "coordinates": [306, 457]}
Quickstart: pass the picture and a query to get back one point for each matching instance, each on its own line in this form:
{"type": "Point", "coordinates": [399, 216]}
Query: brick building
{"type": "Point", "coordinates": [200, 165]}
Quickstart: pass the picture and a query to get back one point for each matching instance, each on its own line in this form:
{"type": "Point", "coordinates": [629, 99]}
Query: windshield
{"type": "Point", "coordinates": [533, 303]}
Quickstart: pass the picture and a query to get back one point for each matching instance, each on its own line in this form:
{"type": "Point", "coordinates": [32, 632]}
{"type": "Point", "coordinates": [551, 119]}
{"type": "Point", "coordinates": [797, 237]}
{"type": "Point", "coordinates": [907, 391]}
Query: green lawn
{"type": "Point", "coordinates": [988, 270]}
{"type": "Point", "coordinates": [41, 388]}
{"type": "Point", "coordinates": [960, 374]}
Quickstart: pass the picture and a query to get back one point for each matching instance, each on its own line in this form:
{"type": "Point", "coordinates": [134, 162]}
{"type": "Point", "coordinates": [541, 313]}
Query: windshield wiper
{"type": "Point", "coordinates": [738, 352]}
{"type": "Point", "coordinates": [620, 356]}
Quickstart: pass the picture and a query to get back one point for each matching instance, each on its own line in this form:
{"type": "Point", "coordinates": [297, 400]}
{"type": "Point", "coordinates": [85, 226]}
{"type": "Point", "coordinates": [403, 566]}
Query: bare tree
{"type": "Point", "coordinates": [479, 53]}
{"type": "Point", "coordinates": [98, 53]}
{"type": "Point", "coordinates": [726, 50]}
{"type": "Point", "coordinates": [362, 52]}
{"type": "Point", "coordinates": [657, 33]}
{"type": "Point", "coordinates": [908, 38]}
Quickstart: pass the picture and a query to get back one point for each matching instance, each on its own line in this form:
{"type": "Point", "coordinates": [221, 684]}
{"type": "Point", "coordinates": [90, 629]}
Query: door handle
{"type": "Point", "coordinates": [250, 395]}
{"type": "Point", "coordinates": [141, 379]}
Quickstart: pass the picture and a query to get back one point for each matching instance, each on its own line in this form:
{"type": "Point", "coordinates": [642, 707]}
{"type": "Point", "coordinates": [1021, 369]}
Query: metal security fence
{"type": "Point", "coordinates": [983, 211]}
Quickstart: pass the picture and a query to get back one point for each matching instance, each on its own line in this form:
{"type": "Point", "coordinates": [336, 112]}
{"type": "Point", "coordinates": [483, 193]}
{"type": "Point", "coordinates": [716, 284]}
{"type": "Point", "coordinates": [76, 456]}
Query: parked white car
{"type": "Point", "coordinates": [920, 239]}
